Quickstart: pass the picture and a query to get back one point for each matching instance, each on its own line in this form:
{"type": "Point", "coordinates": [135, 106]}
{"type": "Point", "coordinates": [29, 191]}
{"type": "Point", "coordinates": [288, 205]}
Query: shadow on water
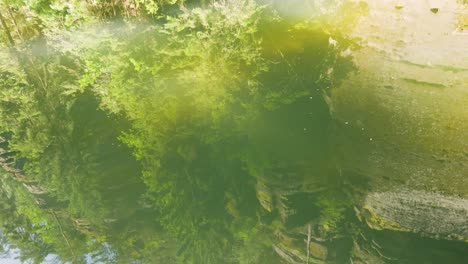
{"type": "Point", "coordinates": [104, 160]}
{"type": "Point", "coordinates": [406, 248]}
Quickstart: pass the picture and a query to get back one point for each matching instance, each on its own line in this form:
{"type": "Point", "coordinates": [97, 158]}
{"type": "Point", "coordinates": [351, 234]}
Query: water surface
{"type": "Point", "coordinates": [235, 132]}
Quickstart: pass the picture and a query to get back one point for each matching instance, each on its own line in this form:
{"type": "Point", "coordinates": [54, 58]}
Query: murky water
{"type": "Point", "coordinates": [300, 132]}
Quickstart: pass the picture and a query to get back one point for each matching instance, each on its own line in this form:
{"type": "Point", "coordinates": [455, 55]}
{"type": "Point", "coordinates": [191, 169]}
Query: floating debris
{"type": "Point", "coordinates": [434, 10]}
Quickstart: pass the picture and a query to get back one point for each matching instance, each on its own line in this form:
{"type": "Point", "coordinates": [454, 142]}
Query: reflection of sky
{"type": "Point", "coordinates": [12, 257]}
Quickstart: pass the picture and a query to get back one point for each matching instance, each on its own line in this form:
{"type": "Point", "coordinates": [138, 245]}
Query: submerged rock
{"type": "Point", "coordinates": [318, 251]}
{"type": "Point", "coordinates": [296, 253]}
{"type": "Point", "coordinates": [264, 196]}
{"type": "Point", "coordinates": [430, 214]}
{"type": "Point", "coordinates": [360, 255]}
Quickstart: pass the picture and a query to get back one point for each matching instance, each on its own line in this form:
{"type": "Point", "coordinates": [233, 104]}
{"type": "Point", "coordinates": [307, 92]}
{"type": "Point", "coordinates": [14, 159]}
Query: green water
{"type": "Point", "coordinates": [234, 132]}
